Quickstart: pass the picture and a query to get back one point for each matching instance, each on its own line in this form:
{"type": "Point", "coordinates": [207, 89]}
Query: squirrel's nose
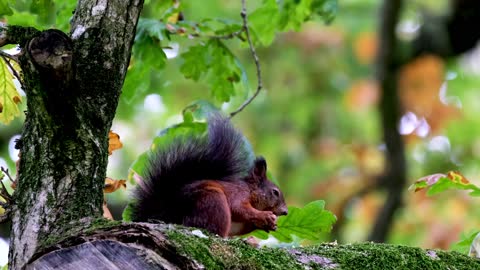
{"type": "Point", "coordinates": [283, 212]}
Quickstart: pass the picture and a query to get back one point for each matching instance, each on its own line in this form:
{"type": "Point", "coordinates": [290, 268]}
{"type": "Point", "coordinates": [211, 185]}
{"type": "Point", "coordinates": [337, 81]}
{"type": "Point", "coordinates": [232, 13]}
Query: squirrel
{"type": "Point", "coordinates": [212, 182]}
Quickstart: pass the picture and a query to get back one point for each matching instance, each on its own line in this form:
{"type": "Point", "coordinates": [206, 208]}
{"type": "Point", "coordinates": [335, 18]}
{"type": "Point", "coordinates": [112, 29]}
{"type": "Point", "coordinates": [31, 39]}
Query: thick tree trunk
{"type": "Point", "coordinates": [160, 246]}
{"type": "Point", "coordinates": [72, 84]}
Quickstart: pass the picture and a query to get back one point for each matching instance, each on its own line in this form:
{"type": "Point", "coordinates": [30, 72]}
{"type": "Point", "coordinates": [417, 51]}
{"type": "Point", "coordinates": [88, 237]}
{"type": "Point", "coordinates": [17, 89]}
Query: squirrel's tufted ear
{"type": "Point", "coordinates": [260, 169]}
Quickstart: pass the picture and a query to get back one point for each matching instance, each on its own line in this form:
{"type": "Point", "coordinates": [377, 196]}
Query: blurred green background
{"type": "Point", "coordinates": [316, 122]}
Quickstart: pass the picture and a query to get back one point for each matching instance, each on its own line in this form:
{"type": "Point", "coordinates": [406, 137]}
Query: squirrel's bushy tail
{"type": "Point", "coordinates": [222, 154]}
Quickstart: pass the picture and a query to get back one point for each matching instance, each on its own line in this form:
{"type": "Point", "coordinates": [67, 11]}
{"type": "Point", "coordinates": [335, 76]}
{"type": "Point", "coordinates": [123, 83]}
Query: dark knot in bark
{"type": "Point", "coordinates": [52, 51]}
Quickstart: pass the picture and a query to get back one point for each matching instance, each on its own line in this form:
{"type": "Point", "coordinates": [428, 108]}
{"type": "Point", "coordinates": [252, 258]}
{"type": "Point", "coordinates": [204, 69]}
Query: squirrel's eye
{"type": "Point", "coordinates": [276, 192]}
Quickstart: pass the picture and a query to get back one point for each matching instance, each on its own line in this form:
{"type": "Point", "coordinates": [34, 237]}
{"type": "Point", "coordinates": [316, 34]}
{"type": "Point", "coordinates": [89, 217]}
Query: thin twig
{"type": "Point", "coordinates": [255, 58]}
{"type": "Point", "coordinates": [9, 56]}
{"type": "Point", "coordinates": [227, 36]}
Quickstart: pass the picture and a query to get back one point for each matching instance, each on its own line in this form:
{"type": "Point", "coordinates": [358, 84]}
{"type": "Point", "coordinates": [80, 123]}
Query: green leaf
{"type": "Point", "coordinates": [199, 110]}
{"type": "Point", "coordinates": [127, 212]}
{"type": "Point", "coordinates": [196, 62]}
{"type": "Point", "coordinates": [294, 13]}
{"type": "Point", "coordinates": [475, 247]}
{"type": "Point", "coordinates": [5, 8]}
{"type": "Point", "coordinates": [225, 71]}
{"type": "Point", "coordinates": [437, 183]}
{"type": "Point", "coordinates": [138, 166]}
{"type": "Point", "coordinates": [150, 28]}
{"type": "Point", "coordinates": [45, 9]}
{"type": "Point", "coordinates": [466, 240]}
{"type": "Point", "coordinates": [9, 96]}
{"type": "Point", "coordinates": [148, 49]}
{"type": "Point", "coordinates": [263, 22]}
{"type": "Point", "coordinates": [217, 64]}
{"type": "Point", "coordinates": [305, 223]}
{"type": "Point", "coordinates": [260, 234]}
{"type": "Point", "coordinates": [150, 53]}
{"type": "Point", "coordinates": [228, 27]}
{"type": "Point", "coordinates": [326, 9]}
{"type": "Point", "coordinates": [136, 82]}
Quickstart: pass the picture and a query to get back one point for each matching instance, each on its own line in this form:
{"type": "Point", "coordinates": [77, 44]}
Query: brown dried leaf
{"type": "Point", "coordinates": [112, 185]}
{"type": "Point", "coordinates": [114, 142]}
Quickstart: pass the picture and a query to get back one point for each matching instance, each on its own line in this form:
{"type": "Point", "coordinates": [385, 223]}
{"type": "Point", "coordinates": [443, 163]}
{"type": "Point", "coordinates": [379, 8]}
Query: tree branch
{"type": "Point", "coordinates": [389, 107]}
{"type": "Point", "coordinates": [243, 14]}
{"type": "Point", "coordinates": [14, 34]}
{"type": "Point", "coordinates": [164, 246]}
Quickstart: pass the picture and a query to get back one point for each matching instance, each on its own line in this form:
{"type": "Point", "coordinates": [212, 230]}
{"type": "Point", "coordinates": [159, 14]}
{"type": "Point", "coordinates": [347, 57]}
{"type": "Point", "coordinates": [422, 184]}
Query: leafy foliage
{"type": "Point", "coordinates": [305, 223]}
{"type": "Point", "coordinates": [465, 243]}
{"type": "Point", "coordinates": [212, 61]}
{"type": "Point", "coordinates": [9, 96]}
{"type": "Point", "coordinates": [217, 64]}
{"type": "Point", "coordinates": [437, 183]}
{"type": "Point", "coordinates": [5, 8]}
{"type": "Point", "coordinates": [38, 13]}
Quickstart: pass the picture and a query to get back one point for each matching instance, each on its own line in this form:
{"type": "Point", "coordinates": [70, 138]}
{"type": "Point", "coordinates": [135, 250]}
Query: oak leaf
{"type": "Point", "coordinates": [114, 142]}
{"type": "Point", "coordinates": [112, 185]}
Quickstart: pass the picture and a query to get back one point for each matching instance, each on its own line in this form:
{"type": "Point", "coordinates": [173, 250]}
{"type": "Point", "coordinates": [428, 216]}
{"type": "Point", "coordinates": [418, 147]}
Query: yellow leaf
{"type": "Point", "coordinates": [177, 16]}
{"type": "Point", "coordinates": [457, 177]}
{"type": "Point", "coordinates": [112, 185]}
{"type": "Point", "coordinates": [9, 96]}
{"type": "Point", "coordinates": [114, 142]}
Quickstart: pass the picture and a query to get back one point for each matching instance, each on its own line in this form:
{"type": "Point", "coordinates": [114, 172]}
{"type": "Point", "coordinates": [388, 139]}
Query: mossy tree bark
{"type": "Point", "coordinates": [72, 83]}
{"type": "Point", "coordinates": [160, 246]}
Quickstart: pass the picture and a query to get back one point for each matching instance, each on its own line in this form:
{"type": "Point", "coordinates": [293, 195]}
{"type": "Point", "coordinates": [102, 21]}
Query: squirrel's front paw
{"type": "Point", "coordinates": [268, 221]}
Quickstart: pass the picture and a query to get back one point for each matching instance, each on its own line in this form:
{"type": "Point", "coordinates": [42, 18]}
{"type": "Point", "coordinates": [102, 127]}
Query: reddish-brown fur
{"type": "Point", "coordinates": [235, 207]}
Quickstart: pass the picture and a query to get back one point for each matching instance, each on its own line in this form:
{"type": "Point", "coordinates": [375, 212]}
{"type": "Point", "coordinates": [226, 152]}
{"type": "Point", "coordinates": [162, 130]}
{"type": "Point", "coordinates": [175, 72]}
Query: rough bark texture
{"type": "Point", "coordinates": [160, 246]}
{"type": "Point", "coordinates": [72, 84]}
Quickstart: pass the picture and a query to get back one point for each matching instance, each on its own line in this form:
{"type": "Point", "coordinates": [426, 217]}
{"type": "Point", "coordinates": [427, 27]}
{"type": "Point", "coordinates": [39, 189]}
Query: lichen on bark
{"type": "Point", "coordinates": [178, 247]}
{"type": "Point", "coordinates": [72, 87]}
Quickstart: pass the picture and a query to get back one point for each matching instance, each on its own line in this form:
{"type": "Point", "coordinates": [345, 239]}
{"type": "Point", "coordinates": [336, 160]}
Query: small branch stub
{"type": "Point", "coordinates": [52, 50]}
